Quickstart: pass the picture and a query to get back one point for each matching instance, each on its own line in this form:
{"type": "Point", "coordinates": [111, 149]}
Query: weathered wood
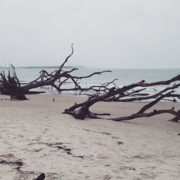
{"type": "Point", "coordinates": [81, 111]}
{"type": "Point", "coordinates": [155, 112]}
{"type": "Point", "coordinates": [11, 85]}
{"type": "Point", "coordinates": [41, 177]}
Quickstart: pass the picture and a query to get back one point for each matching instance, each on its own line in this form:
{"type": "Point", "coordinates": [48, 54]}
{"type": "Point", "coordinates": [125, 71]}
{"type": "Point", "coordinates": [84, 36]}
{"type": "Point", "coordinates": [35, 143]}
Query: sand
{"type": "Point", "coordinates": [35, 137]}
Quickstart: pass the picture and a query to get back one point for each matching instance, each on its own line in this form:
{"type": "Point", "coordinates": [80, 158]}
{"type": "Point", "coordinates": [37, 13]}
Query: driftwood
{"type": "Point", "coordinates": [124, 94]}
{"type": "Point", "coordinates": [60, 76]}
{"type": "Point", "coordinates": [41, 177]}
{"type": "Point", "coordinates": [11, 85]}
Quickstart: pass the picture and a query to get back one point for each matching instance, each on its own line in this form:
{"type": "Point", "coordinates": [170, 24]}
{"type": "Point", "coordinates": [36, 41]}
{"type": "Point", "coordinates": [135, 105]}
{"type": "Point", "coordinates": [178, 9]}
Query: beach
{"type": "Point", "coordinates": [37, 138]}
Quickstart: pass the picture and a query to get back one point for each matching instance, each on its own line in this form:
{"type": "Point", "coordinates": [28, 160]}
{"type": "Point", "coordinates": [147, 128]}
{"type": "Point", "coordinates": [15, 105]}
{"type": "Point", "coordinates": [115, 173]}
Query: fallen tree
{"type": "Point", "coordinates": [10, 84]}
{"type": "Point", "coordinates": [124, 94]}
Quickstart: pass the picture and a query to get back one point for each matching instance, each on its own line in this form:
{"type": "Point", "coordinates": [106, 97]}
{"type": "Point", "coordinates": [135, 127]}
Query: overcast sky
{"type": "Point", "coordinates": [105, 33]}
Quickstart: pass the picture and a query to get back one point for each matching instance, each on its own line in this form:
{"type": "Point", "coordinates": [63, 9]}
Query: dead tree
{"type": "Point", "coordinates": [11, 85]}
{"type": "Point", "coordinates": [124, 94]}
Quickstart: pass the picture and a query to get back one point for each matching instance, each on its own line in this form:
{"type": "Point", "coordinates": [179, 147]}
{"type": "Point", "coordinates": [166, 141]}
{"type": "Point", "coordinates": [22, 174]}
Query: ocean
{"type": "Point", "coordinates": [124, 76]}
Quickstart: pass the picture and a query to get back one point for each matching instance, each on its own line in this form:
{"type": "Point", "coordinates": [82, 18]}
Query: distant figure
{"type": "Point", "coordinates": [43, 73]}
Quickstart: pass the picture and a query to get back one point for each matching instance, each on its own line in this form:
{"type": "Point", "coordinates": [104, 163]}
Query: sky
{"type": "Point", "coordinates": [105, 33]}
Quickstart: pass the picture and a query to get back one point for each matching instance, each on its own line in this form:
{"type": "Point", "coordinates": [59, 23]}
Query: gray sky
{"type": "Point", "coordinates": [105, 33]}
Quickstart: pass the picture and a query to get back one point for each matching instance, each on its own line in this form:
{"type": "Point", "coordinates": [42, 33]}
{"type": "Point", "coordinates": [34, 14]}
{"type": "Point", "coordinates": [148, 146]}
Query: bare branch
{"type": "Point", "coordinates": [155, 112]}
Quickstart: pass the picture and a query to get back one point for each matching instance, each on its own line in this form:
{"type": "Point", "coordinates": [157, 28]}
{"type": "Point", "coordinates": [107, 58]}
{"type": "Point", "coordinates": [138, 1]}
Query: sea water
{"type": "Point", "coordinates": [123, 76]}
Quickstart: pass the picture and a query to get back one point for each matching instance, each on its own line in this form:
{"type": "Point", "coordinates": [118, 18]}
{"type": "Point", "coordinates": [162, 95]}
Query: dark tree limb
{"type": "Point", "coordinates": [149, 105]}
{"type": "Point", "coordinates": [81, 111]}
{"type": "Point", "coordinates": [12, 86]}
{"type": "Point", "coordinates": [155, 112]}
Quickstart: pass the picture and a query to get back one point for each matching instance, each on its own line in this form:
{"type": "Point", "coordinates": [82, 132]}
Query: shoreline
{"type": "Point", "coordinates": [36, 133]}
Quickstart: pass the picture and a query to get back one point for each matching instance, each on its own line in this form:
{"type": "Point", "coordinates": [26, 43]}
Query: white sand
{"type": "Point", "coordinates": [31, 132]}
